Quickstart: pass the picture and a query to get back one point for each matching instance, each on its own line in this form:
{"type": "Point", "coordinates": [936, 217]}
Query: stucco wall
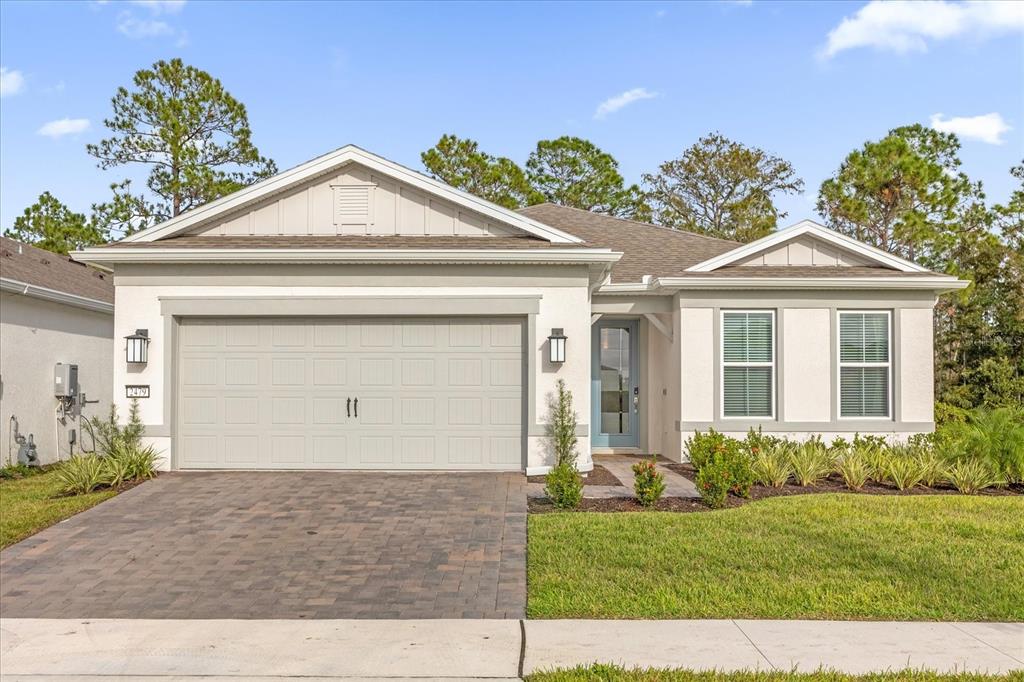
{"type": "Point", "coordinates": [806, 362]}
{"type": "Point", "coordinates": [34, 336]}
{"type": "Point", "coordinates": [564, 302]}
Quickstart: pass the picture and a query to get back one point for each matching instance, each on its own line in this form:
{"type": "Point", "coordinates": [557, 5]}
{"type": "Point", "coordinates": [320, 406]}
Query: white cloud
{"type": "Point", "coordinates": [988, 128]}
{"type": "Point", "coordinates": [137, 29]}
{"type": "Point", "coordinates": [613, 104]}
{"type": "Point", "coordinates": [11, 81]}
{"type": "Point", "coordinates": [903, 26]}
{"type": "Point", "coordinates": [64, 126]}
{"type": "Point", "coordinates": [161, 6]}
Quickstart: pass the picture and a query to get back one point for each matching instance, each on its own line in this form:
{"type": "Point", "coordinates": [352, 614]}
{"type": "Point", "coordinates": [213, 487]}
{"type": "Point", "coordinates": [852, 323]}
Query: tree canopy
{"type": "Point", "coordinates": [194, 136]}
{"type": "Point", "coordinates": [460, 163]}
{"type": "Point", "coordinates": [574, 172]}
{"type": "Point", "coordinates": [721, 188]}
{"type": "Point", "coordinates": [51, 225]}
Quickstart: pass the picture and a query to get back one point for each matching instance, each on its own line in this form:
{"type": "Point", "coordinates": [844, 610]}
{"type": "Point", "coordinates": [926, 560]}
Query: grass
{"type": "Point", "coordinates": [809, 556]}
{"type": "Point", "coordinates": [30, 504]}
{"type": "Point", "coordinates": [601, 673]}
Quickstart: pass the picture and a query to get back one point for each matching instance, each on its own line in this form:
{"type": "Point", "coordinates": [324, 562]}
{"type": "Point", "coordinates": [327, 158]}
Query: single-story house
{"type": "Point", "coordinates": [52, 310]}
{"type": "Point", "coordinates": [351, 313]}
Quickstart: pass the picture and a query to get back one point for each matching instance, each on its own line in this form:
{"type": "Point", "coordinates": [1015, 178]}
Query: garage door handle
{"type": "Point", "coordinates": [348, 407]}
{"type": "Point", "coordinates": [356, 406]}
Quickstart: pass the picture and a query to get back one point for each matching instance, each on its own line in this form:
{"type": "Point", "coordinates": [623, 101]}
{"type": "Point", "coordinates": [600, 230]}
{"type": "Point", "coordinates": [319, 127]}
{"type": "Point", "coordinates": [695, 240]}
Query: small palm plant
{"type": "Point", "coordinates": [811, 462]}
{"type": "Point", "coordinates": [771, 465]}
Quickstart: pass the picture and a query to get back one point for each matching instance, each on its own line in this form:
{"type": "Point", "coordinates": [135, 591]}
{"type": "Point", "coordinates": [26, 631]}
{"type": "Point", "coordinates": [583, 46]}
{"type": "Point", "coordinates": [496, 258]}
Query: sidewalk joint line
{"type": "Point", "coordinates": [522, 646]}
{"type": "Point", "coordinates": [991, 646]}
{"type": "Point", "coordinates": [756, 648]}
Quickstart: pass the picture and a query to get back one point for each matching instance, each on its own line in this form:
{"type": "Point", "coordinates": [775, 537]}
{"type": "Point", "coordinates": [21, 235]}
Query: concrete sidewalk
{"type": "Point", "coordinates": [41, 649]}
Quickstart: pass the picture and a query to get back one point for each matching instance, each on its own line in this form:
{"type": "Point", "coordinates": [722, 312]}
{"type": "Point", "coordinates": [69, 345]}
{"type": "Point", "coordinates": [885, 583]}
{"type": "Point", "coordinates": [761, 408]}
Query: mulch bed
{"type": "Point", "coordinates": [599, 476]}
{"type": "Point", "coordinates": [832, 484]}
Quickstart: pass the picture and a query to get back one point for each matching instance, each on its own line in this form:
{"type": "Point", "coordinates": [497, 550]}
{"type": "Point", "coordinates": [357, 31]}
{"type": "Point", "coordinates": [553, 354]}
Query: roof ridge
{"type": "Point", "coordinates": [673, 230]}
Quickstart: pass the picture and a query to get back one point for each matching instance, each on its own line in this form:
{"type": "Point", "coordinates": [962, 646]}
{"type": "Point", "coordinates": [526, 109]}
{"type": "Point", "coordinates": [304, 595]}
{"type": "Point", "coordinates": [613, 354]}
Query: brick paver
{"type": "Point", "coordinates": [282, 545]}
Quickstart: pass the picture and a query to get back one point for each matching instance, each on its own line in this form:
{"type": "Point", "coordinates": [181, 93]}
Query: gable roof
{"type": "Point", "coordinates": [330, 162]}
{"type": "Point", "coordinates": [29, 270]}
{"type": "Point", "coordinates": [646, 249]}
{"type": "Point", "coordinates": [809, 227]}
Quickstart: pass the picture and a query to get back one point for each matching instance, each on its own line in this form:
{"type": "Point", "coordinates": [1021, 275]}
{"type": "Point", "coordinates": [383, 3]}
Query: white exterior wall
{"type": "Point", "coordinates": [34, 336]}
{"type": "Point", "coordinates": [662, 383]}
{"type": "Point", "coordinates": [562, 304]}
{"type": "Point", "coordinates": [807, 361]}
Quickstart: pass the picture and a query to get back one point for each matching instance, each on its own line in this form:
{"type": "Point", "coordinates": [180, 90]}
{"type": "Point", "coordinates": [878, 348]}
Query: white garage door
{"type": "Point", "coordinates": [343, 393]}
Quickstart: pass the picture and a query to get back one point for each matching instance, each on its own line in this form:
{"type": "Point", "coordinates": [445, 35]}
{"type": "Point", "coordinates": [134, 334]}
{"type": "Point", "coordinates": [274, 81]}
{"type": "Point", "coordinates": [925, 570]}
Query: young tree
{"type": "Point", "coordinates": [722, 188]}
{"type": "Point", "coordinates": [194, 135]}
{"type": "Point", "coordinates": [904, 193]}
{"type": "Point", "coordinates": [460, 163]}
{"type": "Point", "coordinates": [574, 172]}
{"type": "Point", "coordinates": [51, 225]}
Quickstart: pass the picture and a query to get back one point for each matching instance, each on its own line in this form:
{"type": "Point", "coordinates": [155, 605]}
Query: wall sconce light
{"type": "Point", "coordinates": [556, 342]}
{"type": "Point", "coordinates": [136, 350]}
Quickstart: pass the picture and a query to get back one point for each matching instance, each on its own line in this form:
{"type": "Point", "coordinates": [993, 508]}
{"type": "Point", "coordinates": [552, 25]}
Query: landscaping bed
{"type": "Point", "coordinates": [597, 476]}
{"type": "Point", "coordinates": [823, 556]}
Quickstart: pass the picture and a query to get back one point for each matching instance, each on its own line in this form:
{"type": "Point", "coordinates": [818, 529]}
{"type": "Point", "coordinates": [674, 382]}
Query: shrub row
{"type": "Point", "coordinates": [985, 451]}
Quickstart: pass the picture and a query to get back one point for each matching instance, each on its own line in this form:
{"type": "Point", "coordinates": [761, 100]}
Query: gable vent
{"type": "Point", "coordinates": [352, 203]}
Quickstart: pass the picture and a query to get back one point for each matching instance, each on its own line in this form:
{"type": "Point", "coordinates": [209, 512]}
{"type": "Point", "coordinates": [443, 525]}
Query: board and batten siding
{"type": "Point", "coordinates": [805, 250]}
{"type": "Point", "coordinates": [355, 201]}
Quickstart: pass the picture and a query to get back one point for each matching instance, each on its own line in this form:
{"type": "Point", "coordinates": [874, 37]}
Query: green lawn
{"type": "Point", "coordinates": [615, 674]}
{"type": "Point", "coordinates": [940, 557]}
{"type": "Point", "coordinates": [27, 505]}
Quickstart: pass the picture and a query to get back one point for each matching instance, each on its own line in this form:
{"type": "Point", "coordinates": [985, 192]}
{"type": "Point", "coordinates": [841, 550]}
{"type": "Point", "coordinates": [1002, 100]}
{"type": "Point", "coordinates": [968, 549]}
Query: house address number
{"type": "Point", "coordinates": [137, 391]}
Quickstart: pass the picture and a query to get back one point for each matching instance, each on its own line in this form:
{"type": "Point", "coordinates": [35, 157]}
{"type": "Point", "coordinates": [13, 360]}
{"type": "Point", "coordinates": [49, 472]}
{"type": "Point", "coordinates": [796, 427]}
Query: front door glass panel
{"type": "Point", "coordinates": [615, 380]}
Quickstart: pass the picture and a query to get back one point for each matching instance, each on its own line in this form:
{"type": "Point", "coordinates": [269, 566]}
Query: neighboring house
{"type": "Point", "coordinates": [52, 310]}
{"type": "Point", "coordinates": [350, 313]}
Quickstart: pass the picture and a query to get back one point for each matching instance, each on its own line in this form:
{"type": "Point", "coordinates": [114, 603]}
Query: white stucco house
{"type": "Point", "coordinates": [351, 313]}
{"type": "Point", "coordinates": [52, 310]}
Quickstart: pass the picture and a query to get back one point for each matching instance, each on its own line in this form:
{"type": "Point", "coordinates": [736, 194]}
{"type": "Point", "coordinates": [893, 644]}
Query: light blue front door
{"type": "Point", "coordinates": [614, 380]}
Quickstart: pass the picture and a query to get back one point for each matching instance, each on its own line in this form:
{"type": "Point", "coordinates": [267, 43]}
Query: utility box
{"type": "Point", "coordinates": [65, 381]}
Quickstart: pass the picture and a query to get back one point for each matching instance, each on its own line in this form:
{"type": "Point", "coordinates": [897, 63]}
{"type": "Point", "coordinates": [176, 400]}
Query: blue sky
{"type": "Point", "coordinates": [808, 82]}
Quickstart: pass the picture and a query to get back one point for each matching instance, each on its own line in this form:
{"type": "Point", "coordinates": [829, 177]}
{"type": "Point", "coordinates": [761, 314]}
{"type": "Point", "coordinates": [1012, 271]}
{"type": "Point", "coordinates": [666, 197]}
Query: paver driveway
{"type": "Point", "coordinates": [282, 545]}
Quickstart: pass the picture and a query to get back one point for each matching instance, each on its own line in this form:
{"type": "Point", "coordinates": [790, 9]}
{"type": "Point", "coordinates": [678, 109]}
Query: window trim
{"type": "Point", "coordinates": [722, 364]}
{"type": "Point", "coordinates": [889, 398]}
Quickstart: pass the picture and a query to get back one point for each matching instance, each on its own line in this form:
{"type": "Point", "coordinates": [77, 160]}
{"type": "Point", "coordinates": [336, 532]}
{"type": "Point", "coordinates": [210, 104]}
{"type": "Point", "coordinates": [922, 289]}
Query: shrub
{"type": "Point", "coordinates": [934, 467]}
{"type": "Point", "coordinates": [81, 474]}
{"type": "Point", "coordinates": [756, 442]}
{"type": "Point", "coordinates": [998, 436]}
{"type": "Point", "coordinates": [562, 426]}
{"type": "Point", "coordinates": [771, 466]}
{"type": "Point", "coordinates": [970, 476]}
{"type": "Point", "coordinates": [648, 482]}
{"type": "Point", "coordinates": [811, 461]}
{"type": "Point", "coordinates": [18, 470]}
{"type": "Point", "coordinates": [713, 482]}
{"type": "Point", "coordinates": [903, 469]}
{"type": "Point", "coordinates": [139, 462]}
{"type": "Point", "coordinates": [702, 447]}
{"type": "Point", "coordinates": [740, 469]}
{"type": "Point", "coordinates": [854, 469]}
{"type": "Point", "coordinates": [108, 434]}
{"type": "Point", "coordinates": [564, 487]}
{"type": "Point", "coordinates": [873, 450]}
{"type": "Point", "coordinates": [115, 471]}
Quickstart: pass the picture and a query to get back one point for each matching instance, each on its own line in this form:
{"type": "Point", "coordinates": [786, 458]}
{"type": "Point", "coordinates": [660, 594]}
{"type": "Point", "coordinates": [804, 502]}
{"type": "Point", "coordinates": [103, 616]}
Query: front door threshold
{"type": "Point", "coordinates": [616, 451]}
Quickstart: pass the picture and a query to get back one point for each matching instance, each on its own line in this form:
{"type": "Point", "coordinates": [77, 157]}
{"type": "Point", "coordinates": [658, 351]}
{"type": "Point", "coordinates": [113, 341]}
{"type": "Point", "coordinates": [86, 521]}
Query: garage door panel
{"type": "Point", "coordinates": [274, 393]}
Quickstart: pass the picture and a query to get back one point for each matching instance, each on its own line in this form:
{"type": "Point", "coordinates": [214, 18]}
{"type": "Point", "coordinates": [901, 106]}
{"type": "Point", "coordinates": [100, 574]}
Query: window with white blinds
{"type": "Point", "coordinates": [748, 363]}
{"type": "Point", "coordinates": [865, 365]}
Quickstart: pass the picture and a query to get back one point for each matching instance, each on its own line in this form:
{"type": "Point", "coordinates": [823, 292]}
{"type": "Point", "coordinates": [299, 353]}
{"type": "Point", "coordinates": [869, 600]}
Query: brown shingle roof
{"type": "Point", "coordinates": [665, 252]}
{"type": "Point", "coordinates": [646, 249]}
{"type": "Point", "coordinates": [28, 264]}
{"type": "Point", "coordinates": [343, 242]}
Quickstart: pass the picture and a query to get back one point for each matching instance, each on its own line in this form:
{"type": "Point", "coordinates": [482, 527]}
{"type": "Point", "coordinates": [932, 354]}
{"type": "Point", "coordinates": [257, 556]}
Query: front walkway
{"type": "Point", "coordinates": [282, 545]}
{"type": "Point", "coordinates": [452, 649]}
{"type": "Point", "coordinates": [621, 466]}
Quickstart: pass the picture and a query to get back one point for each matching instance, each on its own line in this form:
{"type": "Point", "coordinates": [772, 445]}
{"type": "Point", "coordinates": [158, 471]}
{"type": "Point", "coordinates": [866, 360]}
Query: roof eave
{"type": "Point", "coordinates": [669, 285]}
{"type": "Point", "coordinates": [55, 296]}
{"type": "Point", "coordinates": [113, 256]}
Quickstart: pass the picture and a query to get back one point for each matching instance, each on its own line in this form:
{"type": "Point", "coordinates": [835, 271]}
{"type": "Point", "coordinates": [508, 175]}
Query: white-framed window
{"type": "Point", "coordinates": [865, 364]}
{"type": "Point", "coordinates": [748, 364]}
